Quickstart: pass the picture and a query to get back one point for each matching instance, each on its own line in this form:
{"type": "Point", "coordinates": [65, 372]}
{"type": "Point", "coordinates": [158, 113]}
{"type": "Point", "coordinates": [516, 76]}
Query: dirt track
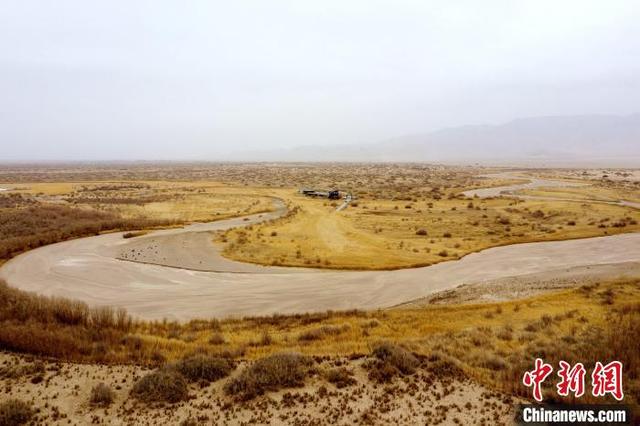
{"type": "Point", "coordinates": [87, 269]}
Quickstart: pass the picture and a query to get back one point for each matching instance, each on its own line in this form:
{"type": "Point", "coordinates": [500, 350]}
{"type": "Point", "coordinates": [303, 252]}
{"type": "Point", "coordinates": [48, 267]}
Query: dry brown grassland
{"type": "Point", "coordinates": [403, 219]}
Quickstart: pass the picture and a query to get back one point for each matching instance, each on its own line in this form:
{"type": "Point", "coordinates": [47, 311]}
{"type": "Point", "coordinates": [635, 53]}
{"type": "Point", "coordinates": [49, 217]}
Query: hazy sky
{"type": "Point", "coordinates": [199, 79]}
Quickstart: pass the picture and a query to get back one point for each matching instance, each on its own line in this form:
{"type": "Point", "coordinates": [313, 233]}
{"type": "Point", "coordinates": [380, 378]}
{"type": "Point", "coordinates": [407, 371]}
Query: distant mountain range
{"type": "Point", "coordinates": [553, 141]}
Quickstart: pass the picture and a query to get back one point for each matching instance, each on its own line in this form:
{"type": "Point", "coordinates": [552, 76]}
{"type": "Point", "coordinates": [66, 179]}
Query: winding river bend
{"type": "Point", "coordinates": [180, 274]}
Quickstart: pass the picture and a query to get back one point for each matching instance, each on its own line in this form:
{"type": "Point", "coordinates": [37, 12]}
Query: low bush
{"type": "Point", "coordinates": [391, 360]}
{"type": "Point", "coordinates": [274, 372]}
{"type": "Point", "coordinates": [102, 395]}
{"type": "Point", "coordinates": [397, 356]}
{"type": "Point", "coordinates": [217, 339]}
{"type": "Point", "coordinates": [341, 377]}
{"type": "Point", "coordinates": [203, 367]}
{"type": "Point", "coordinates": [321, 332]}
{"type": "Point", "coordinates": [161, 386]}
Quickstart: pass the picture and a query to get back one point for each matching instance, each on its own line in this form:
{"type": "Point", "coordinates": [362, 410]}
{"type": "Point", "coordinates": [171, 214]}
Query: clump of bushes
{"type": "Point", "coordinates": [389, 361]}
{"type": "Point", "coordinates": [15, 412]}
{"type": "Point", "coordinates": [163, 385]}
{"type": "Point", "coordinates": [217, 339]}
{"type": "Point", "coordinates": [102, 395]}
{"type": "Point", "coordinates": [274, 372]}
{"type": "Point", "coordinates": [203, 367]}
{"type": "Point", "coordinates": [444, 367]}
{"type": "Point", "coordinates": [341, 377]}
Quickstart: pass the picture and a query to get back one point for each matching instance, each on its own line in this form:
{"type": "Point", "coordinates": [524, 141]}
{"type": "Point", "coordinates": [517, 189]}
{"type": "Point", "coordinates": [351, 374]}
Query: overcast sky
{"type": "Point", "coordinates": [199, 79]}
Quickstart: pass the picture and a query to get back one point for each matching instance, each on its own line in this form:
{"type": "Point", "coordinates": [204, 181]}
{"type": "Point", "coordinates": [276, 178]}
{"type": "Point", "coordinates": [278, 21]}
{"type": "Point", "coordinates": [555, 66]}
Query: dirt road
{"type": "Point", "coordinates": [88, 269]}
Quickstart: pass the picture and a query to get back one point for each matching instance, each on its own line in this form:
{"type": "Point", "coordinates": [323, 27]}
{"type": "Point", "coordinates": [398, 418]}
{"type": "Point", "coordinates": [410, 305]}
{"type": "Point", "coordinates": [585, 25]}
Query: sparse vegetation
{"type": "Point", "coordinates": [274, 372]}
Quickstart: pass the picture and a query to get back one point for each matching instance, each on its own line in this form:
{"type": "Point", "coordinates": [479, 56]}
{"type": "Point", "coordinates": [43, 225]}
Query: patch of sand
{"type": "Point", "coordinates": [61, 396]}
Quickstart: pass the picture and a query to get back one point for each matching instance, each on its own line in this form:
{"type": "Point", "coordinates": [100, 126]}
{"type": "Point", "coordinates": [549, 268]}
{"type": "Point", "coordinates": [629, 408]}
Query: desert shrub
{"type": "Point", "coordinates": [161, 386]}
{"type": "Point", "coordinates": [390, 361]}
{"type": "Point", "coordinates": [444, 367]}
{"type": "Point", "coordinates": [505, 334]}
{"type": "Point", "coordinates": [274, 372]}
{"type": "Point", "coordinates": [321, 332]}
{"type": "Point", "coordinates": [217, 339]}
{"type": "Point", "coordinates": [102, 395]}
{"type": "Point", "coordinates": [397, 356]}
{"type": "Point", "coordinates": [341, 377]}
{"type": "Point", "coordinates": [503, 220]}
{"type": "Point", "coordinates": [203, 367]}
{"type": "Point", "coordinates": [371, 324]}
{"type": "Point", "coordinates": [264, 340]}
{"type": "Point", "coordinates": [421, 232]}
{"type": "Point", "coordinates": [490, 361]}
{"type": "Point", "coordinates": [14, 412]}
{"type": "Point", "coordinates": [538, 214]}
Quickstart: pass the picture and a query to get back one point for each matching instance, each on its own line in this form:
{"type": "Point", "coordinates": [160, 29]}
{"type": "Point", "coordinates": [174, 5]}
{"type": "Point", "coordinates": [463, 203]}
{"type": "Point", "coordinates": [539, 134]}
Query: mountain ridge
{"type": "Point", "coordinates": [542, 139]}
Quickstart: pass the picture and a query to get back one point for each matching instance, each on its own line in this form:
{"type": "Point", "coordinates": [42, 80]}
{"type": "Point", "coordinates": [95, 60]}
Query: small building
{"type": "Point", "coordinates": [333, 194]}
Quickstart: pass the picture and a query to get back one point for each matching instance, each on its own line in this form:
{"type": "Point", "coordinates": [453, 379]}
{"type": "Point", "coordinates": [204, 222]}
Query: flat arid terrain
{"type": "Point", "coordinates": [204, 293]}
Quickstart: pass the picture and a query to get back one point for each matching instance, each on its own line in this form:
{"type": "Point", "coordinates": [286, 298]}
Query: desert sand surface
{"type": "Point", "coordinates": [87, 269]}
{"type": "Point", "coordinates": [60, 392]}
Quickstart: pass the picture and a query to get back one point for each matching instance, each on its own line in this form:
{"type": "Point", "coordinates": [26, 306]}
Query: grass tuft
{"type": "Point", "coordinates": [102, 395]}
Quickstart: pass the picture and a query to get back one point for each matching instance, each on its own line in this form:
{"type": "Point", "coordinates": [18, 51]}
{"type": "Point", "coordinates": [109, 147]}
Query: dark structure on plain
{"type": "Point", "coordinates": [334, 194]}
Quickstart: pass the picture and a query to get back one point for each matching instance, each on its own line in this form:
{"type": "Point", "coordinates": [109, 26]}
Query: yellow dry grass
{"type": "Point", "coordinates": [42, 188]}
{"type": "Point", "coordinates": [387, 234]}
{"type": "Point", "coordinates": [493, 343]}
{"type": "Point", "coordinates": [202, 207]}
{"type": "Point", "coordinates": [181, 201]}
